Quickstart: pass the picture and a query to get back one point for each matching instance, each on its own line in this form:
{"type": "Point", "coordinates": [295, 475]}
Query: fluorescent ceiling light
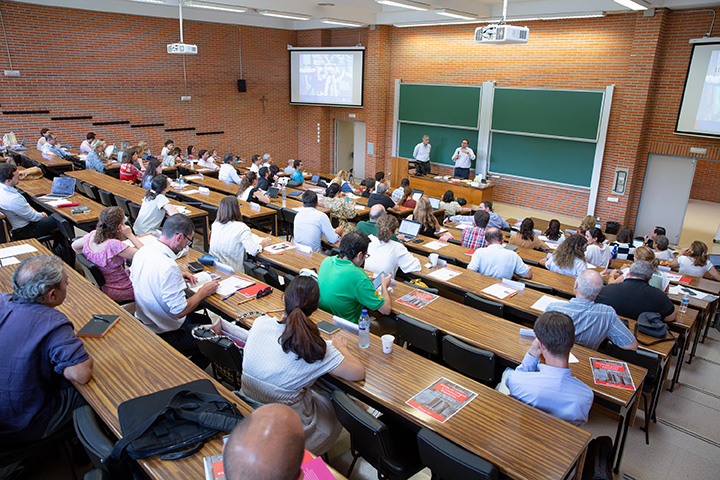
{"type": "Point", "coordinates": [455, 14]}
{"type": "Point", "coordinates": [411, 4]}
{"type": "Point", "coordinates": [509, 20]}
{"type": "Point", "coordinates": [345, 23]}
{"type": "Point", "coordinates": [149, 1]}
{"type": "Point", "coordinates": [291, 16]}
{"type": "Point", "coordinates": [436, 24]}
{"type": "Point", "coordinates": [216, 6]}
{"type": "Point", "coordinates": [631, 5]}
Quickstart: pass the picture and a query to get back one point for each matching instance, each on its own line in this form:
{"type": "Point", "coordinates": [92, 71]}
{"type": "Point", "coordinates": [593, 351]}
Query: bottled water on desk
{"type": "Point", "coordinates": [364, 329]}
{"type": "Point", "coordinates": [181, 182]}
{"type": "Point", "coordinates": [284, 196]}
{"type": "Point", "coordinates": [684, 303]}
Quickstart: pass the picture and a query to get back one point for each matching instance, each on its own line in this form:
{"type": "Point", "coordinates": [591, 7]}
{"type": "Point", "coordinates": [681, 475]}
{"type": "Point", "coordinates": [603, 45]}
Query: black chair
{"type": "Point", "coordinates": [482, 304]}
{"type": "Point", "coordinates": [426, 289]}
{"type": "Point", "coordinates": [17, 452]}
{"type": "Point", "coordinates": [455, 242]}
{"type": "Point", "coordinates": [651, 362]}
{"type": "Point", "coordinates": [385, 444]}
{"type": "Point", "coordinates": [92, 272]}
{"type": "Point", "coordinates": [418, 334]}
{"type": "Point", "coordinates": [288, 220]}
{"type": "Point", "coordinates": [547, 289]}
{"type": "Point", "coordinates": [531, 263]}
{"type": "Point", "coordinates": [448, 259]}
{"type": "Point", "coordinates": [447, 461]}
{"type": "Point", "coordinates": [211, 211]}
{"type": "Point", "coordinates": [106, 198]}
{"type": "Point", "coordinates": [226, 356]}
{"type": "Point", "coordinates": [92, 192]}
{"type": "Point", "coordinates": [80, 187]}
{"type": "Point", "coordinates": [134, 210]}
{"type": "Point", "coordinates": [123, 203]}
{"type": "Point", "coordinates": [471, 361]}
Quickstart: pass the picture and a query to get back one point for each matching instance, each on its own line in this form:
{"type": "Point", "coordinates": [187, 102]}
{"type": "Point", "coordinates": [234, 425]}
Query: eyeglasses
{"type": "Point", "coordinates": [189, 240]}
{"type": "Point", "coordinates": [367, 255]}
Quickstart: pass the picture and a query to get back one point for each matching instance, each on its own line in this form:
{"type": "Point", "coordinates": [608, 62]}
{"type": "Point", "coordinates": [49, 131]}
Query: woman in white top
{"type": "Point", "coordinates": [553, 233]}
{"type": "Point", "coordinates": [694, 261]}
{"type": "Point", "coordinates": [385, 255]}
{"type": "Point", "coordinates": [569, 257]}
{"type": "Point", "coordinates": [230, 238]}
{"type": "Point", "coordinates": [227, 171]}
{"type": "Point", "coordinates": [596, 252]}
{"type": "Point", "coordinates": [283, 359]}
{"type": "Point", "coordinates": [248, 191]}
{"type": "Point", "coordinates": [154, 207]}
{"type": "Point", "coordinates": [41, 140]}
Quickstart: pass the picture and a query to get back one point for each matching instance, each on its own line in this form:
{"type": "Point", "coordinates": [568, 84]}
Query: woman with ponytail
{"type": "Point", "coordinates": [154, 207]}
{"type": "Point", "coordinates": [283, 359]}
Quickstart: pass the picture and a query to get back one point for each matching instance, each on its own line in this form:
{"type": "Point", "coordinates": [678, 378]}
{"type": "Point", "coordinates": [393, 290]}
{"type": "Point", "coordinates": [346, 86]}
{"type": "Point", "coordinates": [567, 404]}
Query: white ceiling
{"type": "Point", "coordinates": [365, 11]}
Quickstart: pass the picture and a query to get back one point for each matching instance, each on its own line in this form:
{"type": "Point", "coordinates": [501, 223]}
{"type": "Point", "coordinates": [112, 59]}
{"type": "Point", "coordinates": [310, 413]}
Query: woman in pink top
{"type": "Point", "coordinates": [104, 247]}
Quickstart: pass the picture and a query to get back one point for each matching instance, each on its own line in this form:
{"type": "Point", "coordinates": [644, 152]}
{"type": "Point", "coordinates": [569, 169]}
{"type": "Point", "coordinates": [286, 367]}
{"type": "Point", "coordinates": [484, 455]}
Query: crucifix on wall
{"type": "Point", "coordinates": [263, 99]}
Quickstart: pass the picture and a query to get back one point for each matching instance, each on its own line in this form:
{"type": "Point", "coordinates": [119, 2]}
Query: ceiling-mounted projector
{"type": "Point", "coordinates": [182, 48]}
{"type": "Point", "coordinates": [501, 34]}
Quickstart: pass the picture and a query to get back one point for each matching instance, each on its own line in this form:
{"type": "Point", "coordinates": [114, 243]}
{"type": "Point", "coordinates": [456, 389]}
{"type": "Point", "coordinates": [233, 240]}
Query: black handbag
{"type": "Point", "coordinates": [650, 323]}
{"type": "Point", "coordinates": [173, 422]}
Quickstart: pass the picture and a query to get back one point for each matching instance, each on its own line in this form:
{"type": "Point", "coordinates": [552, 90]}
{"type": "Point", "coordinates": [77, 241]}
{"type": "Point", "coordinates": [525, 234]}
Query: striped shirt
{"type": "Point", "coordinates": [594, 322]}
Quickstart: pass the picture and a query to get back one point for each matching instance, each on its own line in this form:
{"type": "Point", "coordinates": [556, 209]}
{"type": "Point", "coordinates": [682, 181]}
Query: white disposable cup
{"type": "Point", "coordinates": [433, 259]}
{"type": "Point", "coordinates": [387, 343]}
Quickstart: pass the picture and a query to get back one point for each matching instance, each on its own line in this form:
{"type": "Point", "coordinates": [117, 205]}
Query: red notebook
{"type": "Point", "coordinates": [471, 251]}
{"type": "Point", "coordinates": [685, 280]}
{"type": "Point", "coordinates": [252, 290]}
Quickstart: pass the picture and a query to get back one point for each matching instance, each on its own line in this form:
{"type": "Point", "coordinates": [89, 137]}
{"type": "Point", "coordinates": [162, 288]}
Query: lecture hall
{"type": "Point", "coordinates": [402, 239]}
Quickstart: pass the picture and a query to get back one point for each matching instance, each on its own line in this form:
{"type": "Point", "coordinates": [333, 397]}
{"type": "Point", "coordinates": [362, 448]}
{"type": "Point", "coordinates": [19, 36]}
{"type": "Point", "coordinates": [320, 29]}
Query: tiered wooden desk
{"type": "Point", "coordinates": [35, 156]}
{"type": "Point", "coordinates": [42, 186]}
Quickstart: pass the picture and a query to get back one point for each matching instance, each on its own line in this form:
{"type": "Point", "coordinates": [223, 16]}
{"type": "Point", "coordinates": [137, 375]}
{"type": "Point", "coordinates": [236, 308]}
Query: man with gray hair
{"type": "Point", "coordinates": [290, 169]}
{"type": "Point", "coordinates": [40, 354]}
{"type": "Point", "coordinates": [594, 322]}
{"type": "Point", "coordinates": [379, 197]}
{"type": "Point", "coordinates": [51, 148]}
{"type": "Point", "coordinates": [633, 295]}
{"type": "Point", "coordinates": [369, 226]}
{"type": "Point", "coordinates": [267, 160]}
{"type": "Point", "coordinates": [421, 154]}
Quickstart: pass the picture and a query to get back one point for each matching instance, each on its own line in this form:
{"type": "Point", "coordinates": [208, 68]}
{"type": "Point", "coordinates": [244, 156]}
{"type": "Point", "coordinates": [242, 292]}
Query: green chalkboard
{"type": "Point", "coordinates": [444, 141]}
{"type": "Point", "coordinates": [440, 104]}
{"type": "Point", "coordinates": [559, 113]}
{"type": "Point", "coordinates": [554, 160]}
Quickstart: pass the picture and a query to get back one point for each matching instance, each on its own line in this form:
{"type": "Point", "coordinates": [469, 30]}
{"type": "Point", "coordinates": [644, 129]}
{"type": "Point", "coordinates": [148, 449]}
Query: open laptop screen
{"type": "Point", "coordinates": [64, 186]}
{"type": "Point", "coordinates": [315, 178]}
{"type": "Point", "coordinates": [417, 194]}
{"type": "Point", "coordinates": [434, 203]}
{"type": "Point", "coordinates": [714, 259]}
{"type": "Point", "coordinates": [409, 228]}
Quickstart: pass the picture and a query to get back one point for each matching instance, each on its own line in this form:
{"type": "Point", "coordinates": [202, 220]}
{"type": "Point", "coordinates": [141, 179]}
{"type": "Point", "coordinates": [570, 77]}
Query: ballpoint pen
{"type": "Point", "coordinates": [233, 293]}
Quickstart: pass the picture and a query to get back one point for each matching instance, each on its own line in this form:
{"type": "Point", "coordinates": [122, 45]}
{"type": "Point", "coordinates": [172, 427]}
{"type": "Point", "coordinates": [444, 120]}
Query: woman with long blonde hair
{"type": "Point", "coordinates": [694, 261]}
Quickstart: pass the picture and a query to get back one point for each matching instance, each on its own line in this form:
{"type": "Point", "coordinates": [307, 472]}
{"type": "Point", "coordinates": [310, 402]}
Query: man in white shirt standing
{"type": "Point", "coordinates": [311, 224]}
{"type": "Point", "coordinates": [462, 158]}
{"type": "Point", "coordinates": [159, 285]}
{"type": "Point", "coordinates": [496, 261]}
{"type": "Point", "coordinates": [421, 154]}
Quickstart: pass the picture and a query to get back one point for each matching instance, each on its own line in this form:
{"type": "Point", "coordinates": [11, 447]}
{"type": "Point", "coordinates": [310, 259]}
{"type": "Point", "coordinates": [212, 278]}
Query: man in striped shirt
{"type": "Point", "coordinates": [594, 322]}
{"type": "Point", "coordinates": [474, 237]}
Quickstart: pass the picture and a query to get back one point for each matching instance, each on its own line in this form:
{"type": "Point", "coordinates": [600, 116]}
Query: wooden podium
{"type": "Point", "coordinates": [436, 188]}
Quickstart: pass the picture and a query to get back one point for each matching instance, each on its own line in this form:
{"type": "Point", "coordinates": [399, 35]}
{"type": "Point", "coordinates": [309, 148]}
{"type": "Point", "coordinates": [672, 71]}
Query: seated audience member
{"type": "Point", "coordinates": [41, 141]}
{"type": "Point", "coordinates": [190, 154]}
{"type": "Point", "coordinates": [227, 170]}
{"type": "Point", "coordinates": [93, 160]}
{"type": "Point", "coordinates": [379, 197]}
{"type": "Point", "coordinates": [369, 185]}
{"type": "Point", "coordinates": [594, 322]}
{"type": "Point", "coordinates": [311, 224]}
{"type": "Point", "coordinates": [144, 151]}
{"type": "Point", "coordinates": [650, 240]}
{"type": "Point", "coordinates": [207, 161]}
{"type": "Point", "coordinates": [379, 177]}
{"type": "Point", "coordinates": [230, 238]}
{"type": "Point", "coordinates": [172, 157]}
{"type": "Point", "coordinates": [526, 238]}
{"type": "Point", "coordinates": [50, 148]}
{"type": "Point", "coordinates": [423, 214]}
{"type": "Point", "coordinates": [624, 243]}
{"type": "Point", "coordinates": [159, 285]}
{"type": "Point", "coordinates": [154, 207]}
{"type": "Point", "coordinates": [369, 226]}
{"type": "Point", "coordinates": [384, 255]}
{"type": "Point", "coordinates": [553, 233]}
{"type": "Point", "coordinates": [569, 257]}
{"type": "Point", "coordinates": [290, 169]}
{"type": "Point", "coordinates": [128, 171]}
{"type": "Point", "coordinates": [343, 179]}
{"type": "Point", "coordinates": [633, 295]}
{"type": "Point", "coordinates": [249, 190]}
{"type": "Point", "coordinates": [297, 174]}
{"type": "Point", "coordinates": [474, 237]}
{"type": "Point", "coordinates": [586, 224]}
{"type": "Point", "coordinates": [153, 169]}
{"type": "Point", "coordinates": [274, 171]}
{"type": "Point", "coordinates": [340, 207]}
{"type": "Point", "coordinates": [264, 179]}
{"type": "Point", "coordinates": [406, 200]}
{"type": "Point", "coordinates": [25, 222]}
{"type": "Point", "coordinates": [449, 204]}
{"type": "Point", "coordinates": [40, 355]}
{"type": "Point", "coordinates": [214, 155]}
{"type": "Point", "coordinates": [662, 252]}
{"type": "Point", "coordinates": [497, 261]}
{"type": "Point", "coordinates": [251, 452]}
{"type": "Point", "coordinates": [255, 163]}
{"type": "Point", "coordinates": [496, 221]}
{"type": "Point", "coordinates": [694, 261]}
{"type": "Point", "coordinates": [167, 148]}
{"type": "Point", "coordinates": [124, 145]}
{"type": "Point", "coordinates": [550, 386]}
{"type": "Point", "coordinates": [398, 193]}
{"type": "Point", "coordinates": [345, 289]}
{"type": "Point", "coordinates": [645, 254]}
{"type": "Point", "coordinates": [104, 247]}
{"type": "Point", "coordinates": [596, 252]}
{"type": "Point", "coordinates": [267, 160]}
{"type": "Point", "coordinates": [86, 145]}
{"type": "Point", "coordinates": [283, 358]}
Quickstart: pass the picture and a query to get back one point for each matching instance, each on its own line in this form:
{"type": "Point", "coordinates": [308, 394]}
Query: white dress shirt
{"type": "Point", "coordinates": [85, 147]}
{"type": "Point", "coordinates": [422, 152]}
{"type": "Point", "coordinates": [386, 257]}
{"type": "Point", "coordinates": [40, 143]}
{"type": "Point", "coordinates": [464, 160]}
{"type": "Point", "coordinates": [309, 227]}
{"type": "Point", "coordinates": [497, 261]}
{"type": "Point", "coordinates": [209, 163]}
{"type": "Point", "coordinates": [16, 208]}
{"type": "Point", "coordinates": [578, 266]}
{"type": "Point", "coordinates": [254, 168]}
{"type": "Point", "coordinates": [229, 242]}
{"type": "Point", "coordinates": [228, 174]}
{"type": "Point", "coordinates": [159, 288]}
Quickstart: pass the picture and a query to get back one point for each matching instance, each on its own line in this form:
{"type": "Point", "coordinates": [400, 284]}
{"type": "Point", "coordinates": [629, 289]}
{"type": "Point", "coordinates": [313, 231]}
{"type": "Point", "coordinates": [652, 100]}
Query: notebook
{"type": "Point", "coordinates": [410, 229]}
{"type": "Point", "coordinates": [62, 187]}
{"type": "Point", "coordinates": [417, 194]}
{"type": "Point", "coordinates": [434, 203]}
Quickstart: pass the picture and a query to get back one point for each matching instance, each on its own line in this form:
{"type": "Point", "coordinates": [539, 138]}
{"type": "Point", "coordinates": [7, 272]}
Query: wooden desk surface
{"type": "Point", "coordinates": [36, 156]}
{"type": "Point", "coordinates": [43, 186]}
{"type": "Point", "coordinates": [214, 198]}
{"type": "Point", "coordinates": [513, 434]}
{"type": "Point", "coordinates": [130, 361]}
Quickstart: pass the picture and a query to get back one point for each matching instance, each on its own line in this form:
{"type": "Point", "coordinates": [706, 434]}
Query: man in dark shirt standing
{"type": "Point", "coordinates": [40, 353]}
{"type": "Point", "coordinates": [379, 197]}
{"type": "Point", "coordinates": [634, 295]}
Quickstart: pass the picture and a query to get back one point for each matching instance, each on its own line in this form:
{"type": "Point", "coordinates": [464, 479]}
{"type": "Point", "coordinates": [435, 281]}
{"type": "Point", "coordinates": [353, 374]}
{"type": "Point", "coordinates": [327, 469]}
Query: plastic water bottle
{"type": "Point", "coordinates": [181, 182]}
{"type": "Point", "coordinates": [364, 329]}
{"type": "Point", "coordinates": [614, 252]}
{"type": "Point", "coordinates": [284, 196]}
{"type": "Point", "coordinates": [684, 303]}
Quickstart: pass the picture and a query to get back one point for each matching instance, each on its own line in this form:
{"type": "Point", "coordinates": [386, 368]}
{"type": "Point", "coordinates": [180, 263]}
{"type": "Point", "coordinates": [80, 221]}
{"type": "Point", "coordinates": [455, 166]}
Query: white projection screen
{"type": "Point", "coordinates": [327, 76]}
{"type": "Point", "coordinates": [700, 108]}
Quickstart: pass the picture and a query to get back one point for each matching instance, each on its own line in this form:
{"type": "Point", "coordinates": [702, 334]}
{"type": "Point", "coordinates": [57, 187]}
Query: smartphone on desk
{"type": "Point", "coordinates": [195, 267]}
{"type": "Point", "coordinates": [327, 327]}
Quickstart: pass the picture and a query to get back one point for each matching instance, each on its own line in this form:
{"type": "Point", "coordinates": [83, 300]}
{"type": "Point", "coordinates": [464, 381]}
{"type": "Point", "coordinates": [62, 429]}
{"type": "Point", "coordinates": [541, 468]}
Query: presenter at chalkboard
{"type": "Point", "coordinates": [421, 154]}
{"type": "Point", "coordinates": [462, 158]}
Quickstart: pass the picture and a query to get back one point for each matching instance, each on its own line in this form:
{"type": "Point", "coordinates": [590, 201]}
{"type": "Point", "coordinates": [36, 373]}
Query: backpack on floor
{"type": "Point", "coordinates": [599, 460]}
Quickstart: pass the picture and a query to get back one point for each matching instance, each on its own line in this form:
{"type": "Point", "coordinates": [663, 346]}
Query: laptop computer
{"type": "Point", "coordinates": [315, 178]}
{"type": "Point", "coordinates": [62, 187]}
{"type": "Point", "coordinates": [272, 192]}
{"type": "Point", "coordinates": [714, 259]}
{"type": "Point", "coordinates": [417, 194]}
{"type": "Point", "coordinates": [434, 202]}
{"type": "Point", "coordinates": [410, 229]}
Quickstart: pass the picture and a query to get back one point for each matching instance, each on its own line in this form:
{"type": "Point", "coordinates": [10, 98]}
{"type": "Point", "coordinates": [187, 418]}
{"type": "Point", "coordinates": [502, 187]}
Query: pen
{"type": "Point", "coordinates": [97, 317]}
{"type": "Point", "coordinates": [233, 293]}
{"type": "Point", "coordinates": [245, 301]}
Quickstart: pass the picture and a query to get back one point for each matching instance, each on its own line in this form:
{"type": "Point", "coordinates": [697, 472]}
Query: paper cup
{"type": "Point", "coordinates": [433, 259]}
{"type": "Point", "coordinates": [387, 343]}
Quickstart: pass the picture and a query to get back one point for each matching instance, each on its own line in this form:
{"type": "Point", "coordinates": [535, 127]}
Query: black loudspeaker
{"type": "Point", "coordinates": [242, 86]}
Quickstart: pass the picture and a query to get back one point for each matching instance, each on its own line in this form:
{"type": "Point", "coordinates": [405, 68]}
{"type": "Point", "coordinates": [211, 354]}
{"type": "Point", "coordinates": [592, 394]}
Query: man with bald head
{"type": "Point", "coordinates": [594, 322]}
{"type": "Point", "coordinates": [369, 226]}
{"type": "Point", "coordinates": [267, 445]}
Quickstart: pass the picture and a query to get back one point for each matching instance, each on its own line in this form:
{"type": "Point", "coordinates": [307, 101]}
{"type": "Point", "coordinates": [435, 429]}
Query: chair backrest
{"type": "Point", "coordinates": [539, 287]}
{"type": "Point", "coordinates": [220, 350]}
{"type": "Point", "coordinates": [123, 203]}
{"type": "Point", "coordinates": [288, 216]}
{"type": "Point", "coordinates": [447, 461]}
{"type": "Point", "coordinates": [419, 334]}
{"type": "Point", "coordinates": [212, 212]}
{"type": "Point", "coordinates": [642, 358]}
{"type": "Point", "coordinates": [468, 360]}
{"type": "Point", "coordinates": [482, 304]}
{"type": "Point", "coordinates": [450, 260]}
{"type": "Point", "coordinates": [92, 192]}
{"type": "Point", "coordinates": [95, 275]}
{"type": "Point", "coordinates": [134, 210]}
{"type": "Point", "coordinates": [106, 198]}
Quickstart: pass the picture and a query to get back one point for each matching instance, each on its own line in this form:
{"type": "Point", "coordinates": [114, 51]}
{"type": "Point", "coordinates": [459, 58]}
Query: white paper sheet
{"type": "Point", "coordinates": [232, 284]}
{"type": "Point", "coordinates": [498, 290]}
{"type": "Point", "coordinates": [16, 250]}
{"type": "Point", "coordinates": [543, 302]}
{"type": "Point", "coordinates": [436, 245]}
{"type": "Point", "coordinates": [9, 261]}
{"type": "Point", "coordinates": [445, 274]}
